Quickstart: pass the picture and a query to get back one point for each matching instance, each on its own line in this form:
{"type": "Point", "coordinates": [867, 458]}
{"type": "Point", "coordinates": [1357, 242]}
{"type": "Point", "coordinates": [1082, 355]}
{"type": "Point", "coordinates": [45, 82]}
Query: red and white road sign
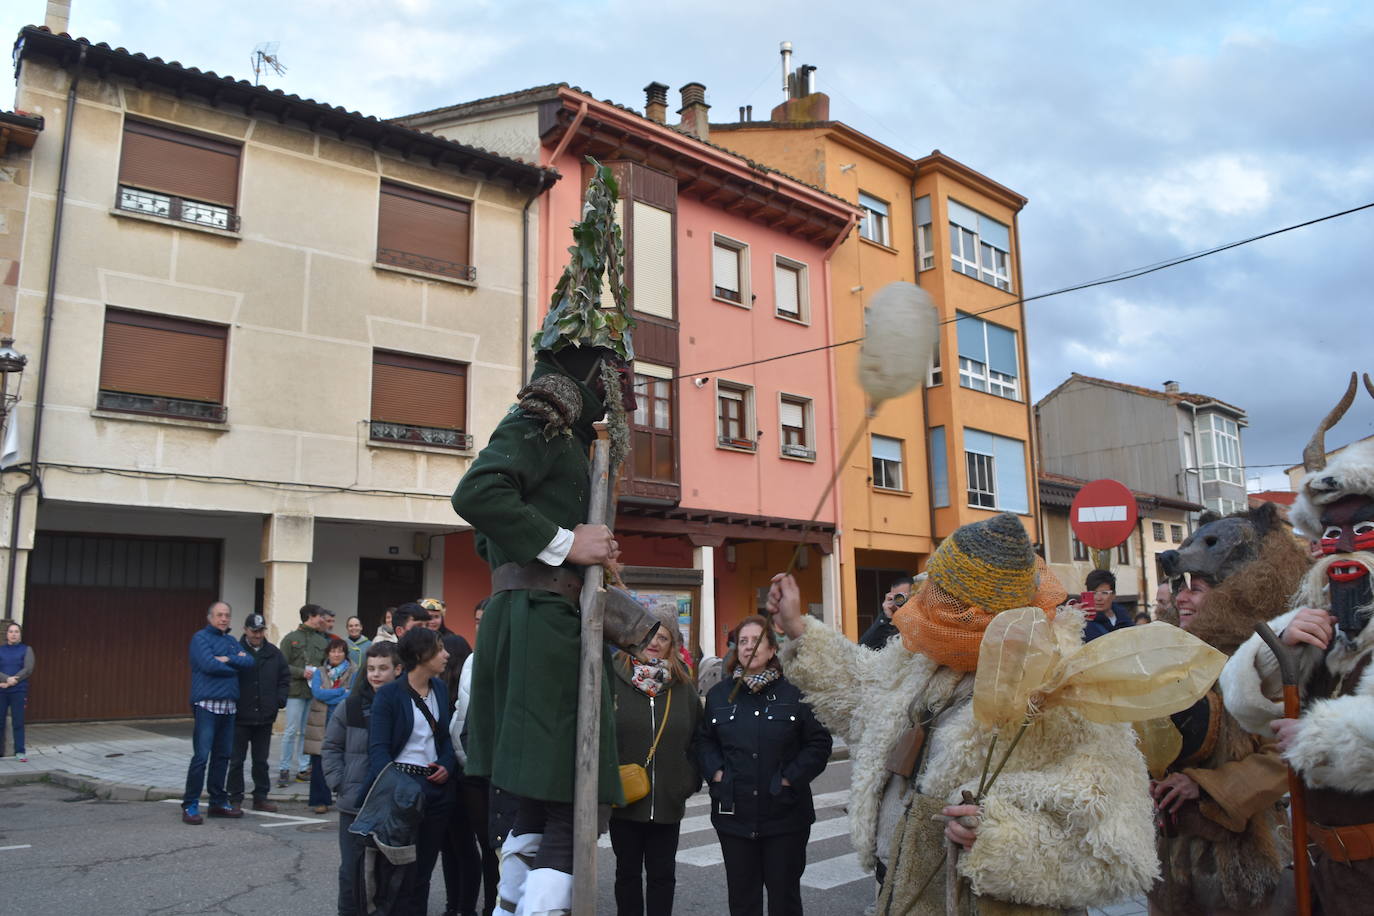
{"type": "Point", "coordinates": [1103, 514]}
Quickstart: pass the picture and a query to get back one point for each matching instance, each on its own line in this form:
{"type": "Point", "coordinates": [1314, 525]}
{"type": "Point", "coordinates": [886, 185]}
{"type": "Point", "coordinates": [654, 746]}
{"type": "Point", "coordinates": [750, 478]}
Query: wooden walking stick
{"type": "Point", "coordinates": [1296, 792]}
{"type": "Point", "coordinates": [585, 787]}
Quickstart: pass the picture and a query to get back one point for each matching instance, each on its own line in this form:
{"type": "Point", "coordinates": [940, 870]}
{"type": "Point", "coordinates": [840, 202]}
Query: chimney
{"type": "Point", "coordinates": [656, 102]}
{"type": "Point", "coordinates": [58, 15]}
{"type": "Point", "coordinates": [694, 111]}
{"type": "Point", "coordinates": [1171, 386]}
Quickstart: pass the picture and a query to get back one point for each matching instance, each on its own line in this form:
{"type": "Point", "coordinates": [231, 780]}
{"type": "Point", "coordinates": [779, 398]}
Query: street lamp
{"type": "Point", "coordinates": [11, 362]}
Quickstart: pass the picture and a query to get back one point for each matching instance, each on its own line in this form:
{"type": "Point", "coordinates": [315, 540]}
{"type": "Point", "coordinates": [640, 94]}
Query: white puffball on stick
{"type": "Point", "coordinates": [901, 332]}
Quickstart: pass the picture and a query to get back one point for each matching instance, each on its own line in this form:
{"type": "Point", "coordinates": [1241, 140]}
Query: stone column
{"type": "Point", "coordinates": [830, 590]}
{"type": "Point", "coordinates": [704, 559]}
{"type": "Point", "coordinates": [288, 544]}
{"type": "Point", "coordinates": [28, 507]}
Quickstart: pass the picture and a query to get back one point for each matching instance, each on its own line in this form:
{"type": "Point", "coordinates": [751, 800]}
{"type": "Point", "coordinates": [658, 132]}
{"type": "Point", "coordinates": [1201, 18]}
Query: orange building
{"type": "Point", "coordinates": [961, 449]}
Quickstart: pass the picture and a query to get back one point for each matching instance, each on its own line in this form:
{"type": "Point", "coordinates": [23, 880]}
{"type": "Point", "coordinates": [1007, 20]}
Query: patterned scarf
{"type": "Point", "coordinates": [651, 676]}
{"type": "Point", "coordinates": [756, 682]}
{"type": "Point", "coordinates": [335, 675]}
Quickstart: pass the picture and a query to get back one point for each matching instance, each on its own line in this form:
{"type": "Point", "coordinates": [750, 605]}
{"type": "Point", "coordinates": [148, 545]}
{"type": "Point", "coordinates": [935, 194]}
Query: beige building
{"type": "Point", "coordinates": [1163, 524]}
{"type": "Point", "coordinates": [276, 329]}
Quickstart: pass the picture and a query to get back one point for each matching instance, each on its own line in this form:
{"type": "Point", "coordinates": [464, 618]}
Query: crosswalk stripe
{"type": "Point", "coordinates": [824, 800]}
{"type": "Point", "coordinates": [709, 854]}
{"type": "Point", "coordinates": [834, 872]}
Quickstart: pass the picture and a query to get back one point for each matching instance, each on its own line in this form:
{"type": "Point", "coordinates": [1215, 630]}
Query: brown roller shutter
{"type": "Point", "coordinates": [160, 356]}
{"type": "Point", "coordinates": [411, 222]}
{"type": "Point", "coordinates": [416, 391]}
{"type": "Point", "coordinates": [185, 165]}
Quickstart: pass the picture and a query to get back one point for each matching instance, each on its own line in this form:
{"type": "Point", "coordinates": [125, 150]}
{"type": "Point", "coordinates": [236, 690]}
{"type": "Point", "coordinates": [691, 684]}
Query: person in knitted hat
{"type": "Point", "coordinates": [1067, 825]}
{"type": "Point", "coordinates": [1331, 745]}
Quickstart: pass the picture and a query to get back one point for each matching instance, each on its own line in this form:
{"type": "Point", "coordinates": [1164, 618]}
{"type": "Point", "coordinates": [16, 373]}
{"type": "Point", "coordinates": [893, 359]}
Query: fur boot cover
{"type": "Point", "coordinates": [1069, 821]}
{"type": "Point", "coordinates": [1335, 744]}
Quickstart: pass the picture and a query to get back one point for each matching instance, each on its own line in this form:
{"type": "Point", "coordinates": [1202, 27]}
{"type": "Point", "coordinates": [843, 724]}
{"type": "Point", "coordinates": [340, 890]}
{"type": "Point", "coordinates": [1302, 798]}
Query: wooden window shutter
{"type": "Point", "coordinates": [418, 391]}
{"type": "Point", "coordinates": [653, 261]}
{"type": "Point", "coordinates": [184, 165]}
{"type": "Point", "coordinates": [725, 263]}
{"type": "Point", "coordinates": [160, 356]}
{"type": "Point", "coordinates": [787, 281]}
{"type": "Point", "coordinates": [426, 226]}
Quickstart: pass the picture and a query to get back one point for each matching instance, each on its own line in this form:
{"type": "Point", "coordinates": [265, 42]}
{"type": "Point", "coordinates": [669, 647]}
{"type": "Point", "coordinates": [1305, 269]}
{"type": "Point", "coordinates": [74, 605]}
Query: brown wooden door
{"type": "Point", "coordinates": [110, 619]}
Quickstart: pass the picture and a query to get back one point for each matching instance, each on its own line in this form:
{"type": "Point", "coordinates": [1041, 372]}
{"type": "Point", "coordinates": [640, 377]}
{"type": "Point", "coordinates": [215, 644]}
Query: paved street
{"type": "Point", "coordinates": [64, 848]}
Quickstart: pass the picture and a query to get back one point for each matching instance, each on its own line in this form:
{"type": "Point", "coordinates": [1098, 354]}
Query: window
{"type": "Point", "coordinates": [1219, 441]}
{"type": "Point", "coordinates": [1224, 506]}
{"type": "Point", "coordinates": [979, 246]}
{"type": "Point", "coordinates": [730, 270]}
{"type": "Point", "coordinates": [651, 242]}
{"type": "Point", "coordinates": [734, 406]}
{"type": "Point", "coordinates": [1080, 550]}
{"type": "Point", "coordinates": [1176, 533]}
{"type": "Point", "coordinates": [176, 175]}
{"type": "Point", "coordinates": [790, 289]}
{"type": "Point", "coordinates": [873, 226]}
{"type": "Point", "coordinates": [1158, 530]}
{"type": "Point", "coordinates": [1123, 553]}
{"type": "Point", "coordinates": [795, 423]}
{"type": "Point", "coordinates": [887, 462]}
{"type": "Point", "coordinates": [419, 400]}
{"type": "Point", "coordinates": [987, 357]}
{"type": "Point", "coordinates": [925, 234]}
{"type": "Point", "coordinates": [939, 469]}
{"type": "Point", "coordinates": [421, 231]}
{"type": "Point", "coordinates": [156, 364]}
{"type": "Point", "coordinates": [996, 472]}
{"type": "Point", "coordinates": [936, 376]}
{"type": "Point", "coordinates": [652, 424]}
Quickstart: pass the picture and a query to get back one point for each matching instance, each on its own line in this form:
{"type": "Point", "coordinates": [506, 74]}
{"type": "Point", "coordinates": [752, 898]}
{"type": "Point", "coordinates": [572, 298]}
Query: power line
{"type": "Point", "coordinates": [1130, 274]}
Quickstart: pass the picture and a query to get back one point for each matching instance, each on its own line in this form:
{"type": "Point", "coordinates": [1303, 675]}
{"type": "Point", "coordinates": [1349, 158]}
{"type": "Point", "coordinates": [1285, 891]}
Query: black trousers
{"type": "Point", "coordinates": [259, 738]}
{"type": "Point", "coordinates": [772, 862]}
{"type": "Point", "coordinates": [461, 859]}
{"type": "Point", "coordinates": [414, 895]}
{"type": "Point", "coordinates": [645, 866]}
{"type": "Point", "coordinates": [476, 795]}
{"type": "Point", "coordinates": [351, 850]}
{"type": "Point", "coordinates": [555, 821]}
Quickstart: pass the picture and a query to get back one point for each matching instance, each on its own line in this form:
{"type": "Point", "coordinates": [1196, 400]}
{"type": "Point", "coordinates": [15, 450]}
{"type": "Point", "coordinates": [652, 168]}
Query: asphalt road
{"type": "Point", "coordinates": [63, 853]}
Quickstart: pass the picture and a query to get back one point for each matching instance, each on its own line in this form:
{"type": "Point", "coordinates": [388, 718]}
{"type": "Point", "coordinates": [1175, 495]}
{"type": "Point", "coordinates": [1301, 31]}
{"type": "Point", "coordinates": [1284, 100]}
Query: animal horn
{"type": "Point", "coordinates": [1314, 456]}
{"type": "Point", "coordinates": [1369, 384]}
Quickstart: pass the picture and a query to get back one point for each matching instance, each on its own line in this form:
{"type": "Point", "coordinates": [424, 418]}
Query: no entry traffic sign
{"type": "Point", "coordinates": [1103, 514]}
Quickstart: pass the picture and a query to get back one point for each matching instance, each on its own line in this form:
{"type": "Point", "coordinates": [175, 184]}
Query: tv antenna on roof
{"type": "Point", "coordinates": [265, 55]}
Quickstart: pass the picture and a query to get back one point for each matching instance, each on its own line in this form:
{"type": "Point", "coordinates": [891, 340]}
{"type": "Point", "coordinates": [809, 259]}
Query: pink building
{"type": "Point", "coordinates": [728, 265]}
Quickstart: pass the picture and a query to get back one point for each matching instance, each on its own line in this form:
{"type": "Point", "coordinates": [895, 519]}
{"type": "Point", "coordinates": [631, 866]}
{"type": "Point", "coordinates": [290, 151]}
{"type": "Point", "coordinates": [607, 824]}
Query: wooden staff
{"type": "Point", "coordinates": [585, 786]}
{"type": "Point", "coordinates": [1296, 792]}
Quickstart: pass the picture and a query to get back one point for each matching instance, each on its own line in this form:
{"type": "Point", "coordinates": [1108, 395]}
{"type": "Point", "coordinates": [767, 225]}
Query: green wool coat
{"type": "Point", "coordinates": [673, 776]}
{"type": "Point", "coordinates": [522, 717]}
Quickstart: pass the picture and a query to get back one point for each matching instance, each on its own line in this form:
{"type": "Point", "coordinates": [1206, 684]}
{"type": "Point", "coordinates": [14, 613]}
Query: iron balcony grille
{"type": "Point", "coordinates": [383, 431]}
{"type": "Point", "coordinates": [799, 451]}
{"type": "Point", "coordinates": [162, 407]}
{"type": "Point", "coordinates": [169, 206]}
{"type": "Point", "coordinates": [728, 442]}
{"type": "Point", "coordinates": [733, 295]}
{"type": "Point", "coordinates": [398, 258]}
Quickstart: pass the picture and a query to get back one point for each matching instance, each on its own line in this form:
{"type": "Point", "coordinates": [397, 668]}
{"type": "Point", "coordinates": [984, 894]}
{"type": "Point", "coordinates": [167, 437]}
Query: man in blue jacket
{"type": "Point", "coordinates": [216, 659]}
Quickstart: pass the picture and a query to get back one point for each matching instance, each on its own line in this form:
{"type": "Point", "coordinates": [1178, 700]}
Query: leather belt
{"type": "Point", "coordinates": [539, 577]}
{"type": "Point", "coordinates": [1344, 844]}
{"type": "Point", "coordinates": [413, 769]}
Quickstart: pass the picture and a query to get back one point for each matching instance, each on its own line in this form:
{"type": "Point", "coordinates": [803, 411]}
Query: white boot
{"type": "Point", "coordinates": [516, 855]}
{"type": "Point", "coordinates": [548, 892]}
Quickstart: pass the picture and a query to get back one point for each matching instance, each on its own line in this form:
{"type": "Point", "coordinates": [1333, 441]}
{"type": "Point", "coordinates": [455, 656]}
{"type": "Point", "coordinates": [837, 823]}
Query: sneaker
{"type": "Point", "coordinates": [191, 815]}
{"type": "Point", "coordinates": [23, 758]}
{"type": "Point", "coordinates": [303, 776]}
{"type": "Point", "coordinates": [283, 779]}
{"type": "Point", "coordinates": [226, 811]}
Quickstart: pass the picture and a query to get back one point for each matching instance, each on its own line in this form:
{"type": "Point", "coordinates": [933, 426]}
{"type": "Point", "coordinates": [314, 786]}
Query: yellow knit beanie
{"type": "Point", "coordinates": [990, 564]}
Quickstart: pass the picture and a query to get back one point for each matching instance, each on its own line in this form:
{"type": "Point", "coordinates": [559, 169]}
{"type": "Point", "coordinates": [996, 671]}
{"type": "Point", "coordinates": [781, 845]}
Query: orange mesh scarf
{"type": "Point", "coordinates": [936, 624]}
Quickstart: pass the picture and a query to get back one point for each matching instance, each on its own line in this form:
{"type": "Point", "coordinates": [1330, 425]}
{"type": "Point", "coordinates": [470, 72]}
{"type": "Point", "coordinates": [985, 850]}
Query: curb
{"type": "Point", "coordinates": [108, 789]}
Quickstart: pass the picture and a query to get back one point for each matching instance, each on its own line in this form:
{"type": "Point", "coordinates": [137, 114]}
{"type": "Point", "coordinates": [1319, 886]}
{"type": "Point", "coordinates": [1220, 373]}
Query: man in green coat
{"type": "Point", "coordinates": [527, 495]}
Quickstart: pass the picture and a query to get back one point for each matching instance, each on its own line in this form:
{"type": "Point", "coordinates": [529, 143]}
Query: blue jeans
{"type": "Point", "coordinates": [213, 740]}
{"type": "Point", "coordinates": [293, 758]}
{"type": "Point", "coordinates": [12, 701]}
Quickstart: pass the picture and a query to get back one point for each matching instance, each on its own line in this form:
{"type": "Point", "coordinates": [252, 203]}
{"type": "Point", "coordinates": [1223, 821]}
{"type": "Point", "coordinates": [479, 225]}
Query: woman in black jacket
{"type": "Point", "coordinates": [654, 698]}
{"type": "Point", "coordinates": [762, 747]}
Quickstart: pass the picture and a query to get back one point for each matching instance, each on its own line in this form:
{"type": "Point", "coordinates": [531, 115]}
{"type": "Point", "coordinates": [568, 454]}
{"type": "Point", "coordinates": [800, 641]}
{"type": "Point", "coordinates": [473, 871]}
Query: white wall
{"type": "Point", "coordinates": [339, 546]}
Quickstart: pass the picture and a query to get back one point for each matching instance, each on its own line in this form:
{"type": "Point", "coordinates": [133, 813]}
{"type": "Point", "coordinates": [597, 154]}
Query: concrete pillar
{"type": "Point", "coordinates": [28, 507]}
{"type": "Point", "coordinates": [830, 590]}
{"type": "Point", "coordinates": [288, 543]}
{"type": "Point", "coordinates": [704, 559]}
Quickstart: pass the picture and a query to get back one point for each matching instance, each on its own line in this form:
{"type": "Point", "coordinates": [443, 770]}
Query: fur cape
{"type": "Point", "coordinates": [1068, 823]}
{"type": "Point", "coordinates": [1254, 592]}
{"type": "Point", "coordinates": [1335, 744]}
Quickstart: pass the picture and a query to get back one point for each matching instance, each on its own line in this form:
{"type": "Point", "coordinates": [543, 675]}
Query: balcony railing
{"type": "Point", "coordinates": [419, 435]}
{"type": "Point", "coordinates": [398, 258]}
{"type": "Point", "coordinates": [799, 451]}
{"type": "Point", "coordinates": [168, 206]}
{"type": "Point", "coordinates": [728, 442]}
{"type": "Point", "coordinates": [162, 407]}
{"type": "Point", "coordinates": [733, 295]}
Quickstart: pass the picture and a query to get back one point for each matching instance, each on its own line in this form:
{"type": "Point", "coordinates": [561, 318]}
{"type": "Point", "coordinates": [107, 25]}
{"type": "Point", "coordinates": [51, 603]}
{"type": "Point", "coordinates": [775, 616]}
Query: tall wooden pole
{"type": "Point", "coordinates": [585, 787]}
{"type": "Point", "coordinates": [1297, 792]}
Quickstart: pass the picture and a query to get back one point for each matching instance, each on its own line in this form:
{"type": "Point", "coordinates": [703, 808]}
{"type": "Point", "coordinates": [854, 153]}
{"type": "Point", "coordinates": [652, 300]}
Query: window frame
{"type": "Point", "coordinates": [879, 219]}
{"type": "Point", "coordinates": [744, 443]}
{"type": "Point", "coordinates": [1123, 553]}
{"type": "Point", "coordinates": [741, 250]}
{"type": "Point", "coordinates": [1176, 534]}
{"type": "Point", "coordinates": [195, 211]}
{"type": "Point", "coordinates": [408, 432]}
{"type": "Point", "coordinates": [925, 234]}
{"type": "Point", "coordinates": [972, 372]}
{"type": "Point", "coordinates": [647, 400]}
{"type": "Point", "coordinates": [980, 468]}
{"type": "Point", "coordinates": [806, 449]}
{"type": "Point", "coordinates": [1017, 488]}
{"type": "Point", "coordinates": [1158, 532]}
{"type": "Point", "coordinates": [1080, 551]}
{"type": "Point", "coordinates": [1217, 434]}
{"type": "Point", "coordinates": [899, 462]}
{"type": "Point", "coordinates": [962, 260]}
{"type": "Point", "coordinates": [465, 272]}
{"type": "Point", "coordinates": [802, 273]}
{"type": "Point", "coordinates": [183, 406]}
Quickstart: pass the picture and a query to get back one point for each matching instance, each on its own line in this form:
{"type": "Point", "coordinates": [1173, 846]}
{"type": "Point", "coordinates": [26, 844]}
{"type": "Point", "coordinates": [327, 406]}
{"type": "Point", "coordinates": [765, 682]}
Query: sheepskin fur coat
{"type": "Point", "coordinates": [1068, 823]}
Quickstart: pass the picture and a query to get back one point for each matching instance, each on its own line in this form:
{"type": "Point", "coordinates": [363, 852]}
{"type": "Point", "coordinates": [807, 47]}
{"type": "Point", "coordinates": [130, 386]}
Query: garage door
{"type": "Point", "coordinates": [109, 617]}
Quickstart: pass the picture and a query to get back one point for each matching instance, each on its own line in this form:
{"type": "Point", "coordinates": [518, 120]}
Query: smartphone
{"type": "Point", "coordinates": [1087, 600]}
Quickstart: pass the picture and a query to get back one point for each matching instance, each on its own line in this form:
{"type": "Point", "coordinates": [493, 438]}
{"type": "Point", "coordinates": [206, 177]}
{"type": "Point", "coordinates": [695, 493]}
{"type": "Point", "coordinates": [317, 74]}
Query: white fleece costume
{"type": "Point", "coordinates": [1068, 823]}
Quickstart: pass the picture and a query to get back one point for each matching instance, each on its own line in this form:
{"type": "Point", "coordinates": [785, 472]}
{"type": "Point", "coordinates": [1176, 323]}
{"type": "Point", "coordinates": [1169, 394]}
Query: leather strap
{"type": "Point", "coordinates": [653, 748]}
{"type": "Point", "coordinates": [537, 576]}
{"type": "Point", "coordinates": [1344, 844]}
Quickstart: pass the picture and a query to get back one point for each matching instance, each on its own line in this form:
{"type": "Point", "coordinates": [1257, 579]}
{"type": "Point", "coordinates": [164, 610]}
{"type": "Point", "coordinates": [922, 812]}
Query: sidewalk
{"type": "Point", "coordinates": [125, 761]}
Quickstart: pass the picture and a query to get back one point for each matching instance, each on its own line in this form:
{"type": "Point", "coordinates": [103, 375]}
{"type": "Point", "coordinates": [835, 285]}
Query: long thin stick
{"type": "Point", "coordinates": [1297, 792]}
{"type": "Point", "coordinates": [825, 494]}
{"type": "Point", "coordinates": [585, 786]}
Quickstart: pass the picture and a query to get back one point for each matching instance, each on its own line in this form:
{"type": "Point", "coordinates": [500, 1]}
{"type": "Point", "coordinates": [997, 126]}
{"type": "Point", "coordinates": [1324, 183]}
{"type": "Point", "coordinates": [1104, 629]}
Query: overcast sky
{"type": "Point", "coordinates": [1139, 132]}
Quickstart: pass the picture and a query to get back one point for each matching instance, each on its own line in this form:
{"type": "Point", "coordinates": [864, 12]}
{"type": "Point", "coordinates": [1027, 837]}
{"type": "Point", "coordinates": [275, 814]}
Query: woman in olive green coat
{"type": "Point", "coordinates": [652, 693]}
